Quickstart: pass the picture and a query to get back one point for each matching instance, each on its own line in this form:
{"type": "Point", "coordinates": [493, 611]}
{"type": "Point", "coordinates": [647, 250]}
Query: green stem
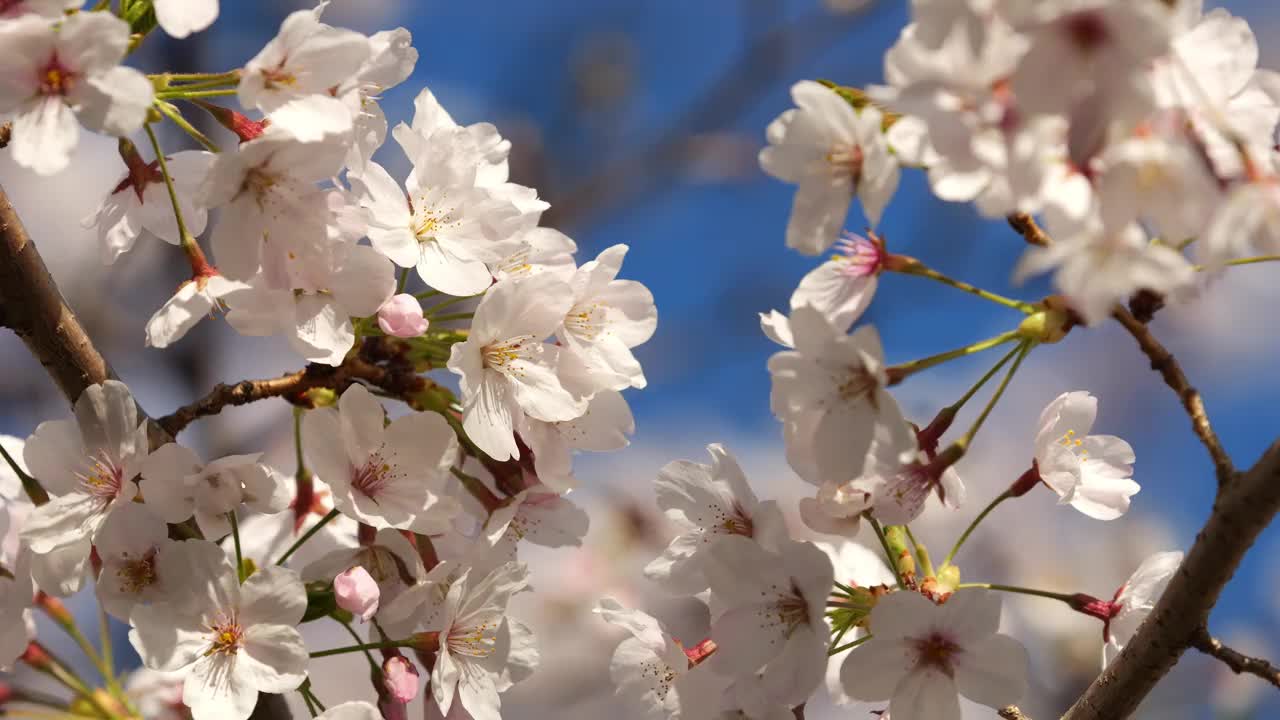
{"type": "Point", "coordinates": [446, 303]}
{"type": "Point", "coordinates": [957, 405]}
{"type": "Point", "coordinates": [1064, 597]}
{"type": "Point", "coordinates": [478, 489]}
{"type": "Point", "coordinates": [235, 540]}
{"type": "Point", "coordinates": [922, 554]}
{"type": "Point", "coordinates": [297, 442]}
{"type": "Point", "coordinates": [362, 647]}
{"type": "Point", "coordinates": [178, 119]}
{"type": "Point", "coordinates": [920, 270]}
{"type": "Point", "coordinates": [306, 699]}
{"type": "Point", "coordinates": [307, 535]}
{"type": "Point", "coordinates": [846, 646]}
{"type": "Point", "coordinates": [178, 94]}
{"type": "Point", "coordinates": [199, 265]}
{"type": "Point", "coordinates": [373, 664]}
{"type": "Point", "coordinates": [403, 281]}
{"type": "Point", "coordinates": [884, 544]}
{"type": "Point", "coordinates": [425, 294]}
{"type": "Point", "coordinates": [973, 525]}
{"type": "Point", "coordinates": [909, 368]}
{"type": "Point", "coordinates": [967, 438]}
{"type": "Point", "coordinates": [228, 76]}
{"type": "Point", "coordinates": [1245, 261]}
{"type": "Point", "coordinates": [30, 485]}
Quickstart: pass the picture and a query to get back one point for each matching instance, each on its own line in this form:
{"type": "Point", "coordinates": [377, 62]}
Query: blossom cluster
{"type": "Point", "coordinates": [1141, 133]}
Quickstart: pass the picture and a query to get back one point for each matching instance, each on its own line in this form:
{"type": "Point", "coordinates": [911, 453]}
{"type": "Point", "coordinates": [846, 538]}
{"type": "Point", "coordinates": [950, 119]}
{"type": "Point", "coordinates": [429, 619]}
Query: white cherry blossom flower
{"type": "Point", "coordinates": [266, 189]}
{"type": "Point", "coordinates": [292, 76]}
{"type": "Point", "coordinates": [1090, 472]}
{"type": "Point", "coordinates": [87, 465]}
{"type": "Point", "coordinates": [608, 318]}
{"type": "Point", "coordinates": [16, 592]}
{"type": "Point", "coordinates": [651, 669]}
{"type": "Point", "coordinates": [329, 289]}
{"type": "Point", "coordinates": [178, 485]}
{"type": "Point", "coordinates": [539, 516]}
{"type": "Point", "coordinates": [537, 250]}
{"type": "Point", "coordinates": [1247, 223]}
{"type": "Point", "coordinates": [507, 370]}
{"type": "Point", "coordinates": [1099, 266]}
{"type": "Point", "coordinates": [391, 60]}
{"type": "Point", "coordinates": [1163, 179]}
{"type": "Point", "coordinates": [195, 300]}
{"type": "Point", "coordinates": [129, 546]}
{"type": "Point", "coordinates": [234, 640]}
{"type": "Point", "coordinates": [157, 695]}
{"type": "Point", "coordinates": [1136, 599]}
{"type": "Point", "coordinates": [57, 77]}
{"type": "Point", "coordinates": [832, 390]}
{"type": "Point", "coordinates": [140, 202]}
{"type": "Point", "coordinates": [180, 18]}
{"type": "Point", "coordinates": [832, 152]}
{"type": "Point", "coordinates": [392, 476]}
{"type": "Point", "coordinates": [351, 711]}
{"type": "Point", "coordinates": [482, 651]}
{"type": "Point", "coordinates": [842, 287]}
{"type": "Point", "coordinates": [389, 560]}
{"type": "Point", "coordinates": [770, 618]}
{"type": "Point", "coordinates": [606, 425]}
{"type": "Point", "coordinates": [707, 503]}
{"type": "Point", "coordinates": [429, 116]}
{"type": "Point", "coordinates": [922, 656]}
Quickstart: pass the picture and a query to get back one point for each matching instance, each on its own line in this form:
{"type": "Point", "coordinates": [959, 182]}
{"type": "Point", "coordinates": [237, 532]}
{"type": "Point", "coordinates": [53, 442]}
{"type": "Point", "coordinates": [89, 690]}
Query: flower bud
{"type": "Point", "coordinates": [357, 592]}
{"type": "Point", "coordinates": [400, 678]}
{"type": "Point", "coordinates": [402, 317]}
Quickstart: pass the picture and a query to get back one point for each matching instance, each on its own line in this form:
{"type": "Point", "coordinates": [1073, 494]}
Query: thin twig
{"type": "Point", "coordinates": [1238, 662]}
{"type": "Point", "coordinates": [1011, 712]}
{"type": "Point", "coordinates": [1028, 229]}
{"type": "Point", "coordinates": [1162, 361]}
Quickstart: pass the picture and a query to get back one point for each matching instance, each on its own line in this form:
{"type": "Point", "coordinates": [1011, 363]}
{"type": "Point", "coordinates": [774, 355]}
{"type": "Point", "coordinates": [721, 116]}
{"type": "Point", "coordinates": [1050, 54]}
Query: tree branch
{"type": "Point", "coordinates": [1243, 508]}
{"type": "Point", "coordinates": [1011, 712]}
{"type": "Point", "coordinates": [1162, 361]}
{"type": "Point", "coordinates": [1026, 226]}
{"type": "Point", "coordinates": [1239, 663]}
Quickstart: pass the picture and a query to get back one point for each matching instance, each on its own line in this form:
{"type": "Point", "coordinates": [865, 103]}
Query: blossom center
{"type": "Point", "coordinates": [659, 675]}
{"type": "Point", "coordinates": [430, 215]}
{"type": "Point", "coordinates": [103, 478]}
{"type": "Point", "coordinates": [227, 637]}
{"type": "Point", "coordinates": [858, 257]}
{"type": "Point", "coordinates": [501, 356]}
{"type": "Point", "coordinates": [258, 183]}
{"type": "Point", "coordinates": [279, 77]}
{"type": "Point", "coordinates": [936, 651]}
{"type": "Point", "coordinates": [55, 78]}
{"type": "Point", "coordinates": [1073, 443]}
{"type": "Point", "coordinates": [372, 478]}
{"type": "Point", "coordinates": [858, 383]}
{"type": "Point", "coordinates": [1087, 31]}
{"type": "Point", "coordinates": [474, 641]}
{"type": "Point", "coordinates": [846, 160]}
{"type": "Point", "coordinates": [138, 573]}
{"type": "Point", "coordinates": [588, 321]}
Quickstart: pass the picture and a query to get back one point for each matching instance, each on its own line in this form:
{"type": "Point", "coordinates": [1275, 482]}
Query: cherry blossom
{"type": "Point", "coordinates": [603, 427]}
{"type": "Point", "coordinates": [832, 152]}
{"type": "Point", "coordinates": [88, 466]}
{"type": "Point", "coordinates": [922, 656]}
{"type": "Point", "coordinates": [387, 477]}
{"type": "Point", "coordinates": [1136, 599]}
{"type": "Point", "coordinates": [45, 8]}
{"type": "Point", "coordinates": [178, 485]}
{"type": "Point", "coordinates": [507, 370]}
{"type": "Point", "coordinates": [536, 250]}
{"type": "Point", "coordinates": [130, 545]}
{"type": "Point", "coordinates": [401, 316]}
{"type": "Point", "coordinates": [351, 711]}
{"type": "Point", "coordinates": [234, 640]}
{"type": "Point", "coordinates": [707, 503]}
{"type": "Point", "coordinates": [356, 592]}
{"type": "Point", "coordinates": [389, 561]}
{"type": "Point", "coordinates": [180, 18]}
{"type": "Point", "coordinates": [140, 202]}
{"type": "Point", "coordinates": [1091, 472]}
{"type": "Point", "coordinates": [195, 300]}
{"type": "Point", "coordinates": [15, 603]}
{"type": "Point", "coordinates": [57, 77]}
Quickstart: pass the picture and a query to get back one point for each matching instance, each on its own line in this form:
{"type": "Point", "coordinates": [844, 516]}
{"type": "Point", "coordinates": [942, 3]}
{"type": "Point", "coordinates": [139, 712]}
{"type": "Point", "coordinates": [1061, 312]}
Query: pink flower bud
{"type": "Point", "coordinates": [357, 592]}
{"type": "Point", "coordinates": [401, 316]}
{"type": "Point", "coordinates": [400, 678]}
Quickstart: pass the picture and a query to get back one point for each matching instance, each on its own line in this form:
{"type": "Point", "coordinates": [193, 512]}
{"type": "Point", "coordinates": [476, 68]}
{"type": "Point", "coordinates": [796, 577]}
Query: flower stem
{"type": "Point", "coordinates": [884, 544]}
{"type": "Point", "coordinates": [922, 553]}
{"type": "Point", "coordinates": [373, 664]}
{"type": "Point", "coordinates": [176, 116]}
{"type": "Point", "coordinates": [427, 294]}
{"type": "Point", "coordinates": [224, 78]}
{"type": "Point", "coordinates": [957, 405]}
{"type": "Point", "coordinates": [199, 265]}
{"type": "Point", "coordinates": [297, 443]}
{"type": "Point", "coordinates": [235, 540]}
{"type": "Point", "coordinates": [1064, 597]}
{"type": "Point", "coordinates": [921, 270]}
{"type": "Point", "coordinates": [444, 304]}
{"type": "Point", "coordinates": [453, 316]}
{"type": "Point", "coordinates": [846, 646]}
{"type": "Point", "coordinates": [1245, 261]}
{"type": "Point", "coordinates": [180, 94]}
{"type": "Point", "coordinates": [307, 535]}
{"type": "Point", "coordinates": [897, 373]}
{"type": "Point", "coordinates": [967, 438]}
{"type": "Point", "coordinates": [362, 647]}
{"type": "Point", "coordinates": [478, 489]}
{"type": "Point", "coordinates": [973, 525]}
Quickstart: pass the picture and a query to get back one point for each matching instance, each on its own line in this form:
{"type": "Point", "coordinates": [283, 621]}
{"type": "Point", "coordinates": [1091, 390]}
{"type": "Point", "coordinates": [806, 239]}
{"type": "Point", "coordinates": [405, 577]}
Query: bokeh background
{"type": "Point", "coordinates": [640, 122]}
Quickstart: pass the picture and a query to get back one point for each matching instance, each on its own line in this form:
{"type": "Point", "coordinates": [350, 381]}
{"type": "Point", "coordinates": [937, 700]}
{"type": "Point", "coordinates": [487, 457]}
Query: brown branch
{"type": "Point", "coordinates": [1238, 662]}
{"type": "Point", "coordinates": [1028, 229]}
{"type": "Point", "coordinates": [1242, 509]}
{"type": "Point", "coordinates": [1163, 362]}
{"type": "Point", "coordinates": [6, 134]}
{"type": "Point", "coordinates": [1011, 712]}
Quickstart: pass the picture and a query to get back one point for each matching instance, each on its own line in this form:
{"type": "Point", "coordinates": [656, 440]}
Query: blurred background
{"type": "Point", "coordinates": [640, 122]}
